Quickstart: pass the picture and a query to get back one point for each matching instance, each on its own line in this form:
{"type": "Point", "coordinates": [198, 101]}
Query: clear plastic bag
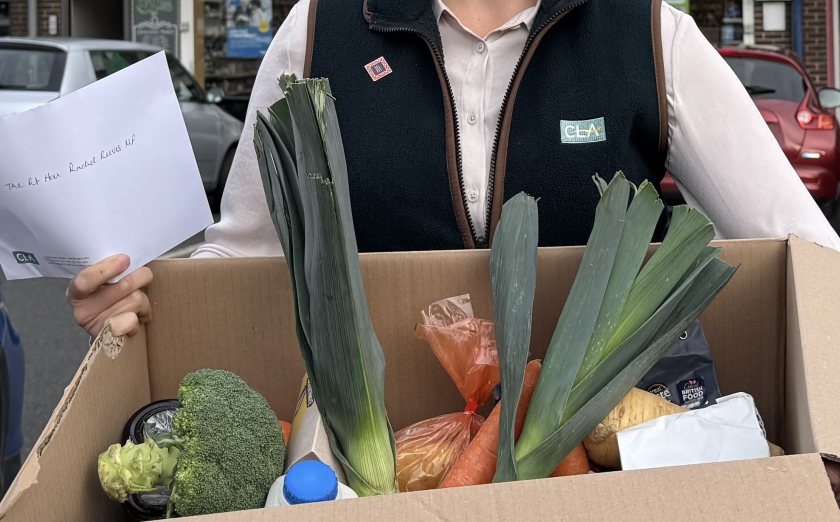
{"type": "Point", "coordinates": [466, 348]}
{"type": "Point", "coordinates": [427, 449]}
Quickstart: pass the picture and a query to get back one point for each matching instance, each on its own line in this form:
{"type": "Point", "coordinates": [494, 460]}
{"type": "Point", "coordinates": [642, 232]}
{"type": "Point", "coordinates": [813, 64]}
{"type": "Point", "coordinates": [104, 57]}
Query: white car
{"type": "Point", "coordinates": [34, 71]}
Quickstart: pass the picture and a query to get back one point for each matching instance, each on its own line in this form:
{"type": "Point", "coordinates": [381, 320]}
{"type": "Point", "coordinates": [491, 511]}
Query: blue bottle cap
{"type": "Point", "coordinates": [310, 481]}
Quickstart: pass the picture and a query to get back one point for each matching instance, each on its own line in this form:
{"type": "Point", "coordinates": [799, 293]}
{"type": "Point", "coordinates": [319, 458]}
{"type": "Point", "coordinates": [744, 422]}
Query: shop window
{"type": "Point", "coordinates": [236, 33]}
{"type": "Point", "coordinates": [732, 28]}
{"type": "Point", "coordinates": [5, 19]}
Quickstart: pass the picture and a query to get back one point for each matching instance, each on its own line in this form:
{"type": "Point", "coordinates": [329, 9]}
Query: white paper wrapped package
{"type": "Point", "coordinates": [729, 430]}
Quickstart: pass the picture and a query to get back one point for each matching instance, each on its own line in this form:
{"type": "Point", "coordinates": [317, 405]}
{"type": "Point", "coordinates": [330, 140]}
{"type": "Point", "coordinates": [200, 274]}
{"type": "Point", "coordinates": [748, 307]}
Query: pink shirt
{"type": "Point", "coordinates": [735, 173]}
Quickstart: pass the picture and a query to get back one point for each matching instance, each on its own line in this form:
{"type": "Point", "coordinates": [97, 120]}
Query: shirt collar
{"type": "Point", "coordinates": [526, 17]}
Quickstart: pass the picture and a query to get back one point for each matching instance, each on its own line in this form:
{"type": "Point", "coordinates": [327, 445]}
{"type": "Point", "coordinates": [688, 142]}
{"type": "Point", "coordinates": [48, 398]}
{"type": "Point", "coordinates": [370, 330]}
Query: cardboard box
{"type": "Point", "coordinates": [774, 333]}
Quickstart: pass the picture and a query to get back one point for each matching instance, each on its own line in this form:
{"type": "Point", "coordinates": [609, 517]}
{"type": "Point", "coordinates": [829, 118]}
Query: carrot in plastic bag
{"type": "Point", "coordinates": [477, 464]}
{"type": "Point", "coordinates": [466, 348]}
{"type": "Point", "coordinates": [426, 450]}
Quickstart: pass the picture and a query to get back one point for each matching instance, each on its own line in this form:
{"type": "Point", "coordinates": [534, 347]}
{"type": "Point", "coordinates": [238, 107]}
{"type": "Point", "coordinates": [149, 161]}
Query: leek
{"type": "Point", "coordinates": [513, 275]}
{"type": "Point", "coordinates": [302, 165]}
{"type": "Point", "coordinates": [620, 316]}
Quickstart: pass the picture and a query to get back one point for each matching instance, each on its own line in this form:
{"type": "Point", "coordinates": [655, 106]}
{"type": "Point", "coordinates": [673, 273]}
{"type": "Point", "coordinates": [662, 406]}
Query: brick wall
{"type": "Point", "coordinates": [18, 18]}
{"type": "Point", "coordinates": [45, 9]}
{"type": "Point", "coordinates": [814, 32]}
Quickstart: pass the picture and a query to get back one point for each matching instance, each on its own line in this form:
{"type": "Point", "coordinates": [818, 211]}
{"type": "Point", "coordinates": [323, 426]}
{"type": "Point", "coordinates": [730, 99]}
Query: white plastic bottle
{"type": "Point", "coordinates": [305, 482]}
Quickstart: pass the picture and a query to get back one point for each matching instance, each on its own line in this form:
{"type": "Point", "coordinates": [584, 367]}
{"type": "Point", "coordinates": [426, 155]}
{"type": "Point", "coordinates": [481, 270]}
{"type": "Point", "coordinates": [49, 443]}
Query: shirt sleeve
{"type": "Point", "coordinates": [723, 156]}
{"type": "Point", "coordinates": [245, 227]}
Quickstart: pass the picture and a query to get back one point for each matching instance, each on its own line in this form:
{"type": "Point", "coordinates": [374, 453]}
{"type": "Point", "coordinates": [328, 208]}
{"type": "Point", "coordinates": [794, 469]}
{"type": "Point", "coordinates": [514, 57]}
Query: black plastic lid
{"type": "Point", "coordinates": [146, 506]}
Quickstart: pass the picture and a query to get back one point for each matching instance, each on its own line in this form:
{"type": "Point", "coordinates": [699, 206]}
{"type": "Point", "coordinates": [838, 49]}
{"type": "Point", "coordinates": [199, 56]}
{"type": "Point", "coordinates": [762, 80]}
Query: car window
{"type": "Point", "coordinates": [109, 62]}
{"type": "Point", "coordinates": [185, 86]}
{"type": "Point", "coordinates": [29, 68]}
{"type": "Point", "coordinates": [766, 79]}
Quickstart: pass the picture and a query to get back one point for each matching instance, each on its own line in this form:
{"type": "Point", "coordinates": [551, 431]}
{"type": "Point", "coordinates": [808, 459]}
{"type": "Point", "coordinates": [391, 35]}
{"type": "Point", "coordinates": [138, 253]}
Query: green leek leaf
{"type": "Point", "coordinates": [639, 226]}
{"type": "Point", "coordinates": [618, 318]}
{"type": "Point", "coordinates": [577, 320]}
{"type": "Point", "coordinates": [544, 458]}
{"type": "Point", "coordinates": [513, 275]}
{"type": "Point", "coordinates": [301, 160]}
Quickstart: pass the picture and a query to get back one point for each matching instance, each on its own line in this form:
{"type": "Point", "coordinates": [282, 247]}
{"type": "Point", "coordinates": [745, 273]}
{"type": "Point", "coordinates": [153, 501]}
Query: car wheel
{"type": "Point", "coordinates": [216, 196]}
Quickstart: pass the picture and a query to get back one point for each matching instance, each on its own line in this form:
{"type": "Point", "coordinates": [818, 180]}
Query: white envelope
{"type": "Point", "coordinates": [103, 170]}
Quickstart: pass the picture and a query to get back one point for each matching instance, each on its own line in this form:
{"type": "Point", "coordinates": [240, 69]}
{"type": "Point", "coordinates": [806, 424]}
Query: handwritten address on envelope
{"type": "Point", "coordinates": [107, 169]}
{"type": "Point", "coordinates": [72, 167]}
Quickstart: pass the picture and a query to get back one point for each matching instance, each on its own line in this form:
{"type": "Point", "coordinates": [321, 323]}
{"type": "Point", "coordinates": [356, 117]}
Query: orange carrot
{"type": "Point", "coordinates": [477, 463]}
{"type": "Point", "coordinates": [575, 463]}
{"type": "Point", "coordinates": [287, 430]}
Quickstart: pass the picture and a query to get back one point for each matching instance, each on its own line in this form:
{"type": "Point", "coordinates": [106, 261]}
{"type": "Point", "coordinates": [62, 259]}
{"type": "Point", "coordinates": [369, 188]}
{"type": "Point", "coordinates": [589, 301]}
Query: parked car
{"type": "Point", "coordinates": [11, 399]}
{"type": "Point", "coordinates": [35, 71]}
{"type": "Point", "coordinates": [801, 118]}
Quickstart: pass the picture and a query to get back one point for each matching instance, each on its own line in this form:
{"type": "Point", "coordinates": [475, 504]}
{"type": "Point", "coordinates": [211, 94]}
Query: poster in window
{"type": "Point", "coordinates": [249, 30]}
{"type": "Point", "coordinates": [156, 22]}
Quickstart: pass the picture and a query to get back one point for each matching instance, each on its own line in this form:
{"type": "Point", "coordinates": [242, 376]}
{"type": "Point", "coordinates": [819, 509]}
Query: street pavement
{"type": "Point", "coordinates": [53, 345]}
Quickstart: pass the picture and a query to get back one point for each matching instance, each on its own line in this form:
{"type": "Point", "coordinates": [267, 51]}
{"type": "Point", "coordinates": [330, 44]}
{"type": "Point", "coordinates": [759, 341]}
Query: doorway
{"type": "Point", "coordinates": [99, 19]}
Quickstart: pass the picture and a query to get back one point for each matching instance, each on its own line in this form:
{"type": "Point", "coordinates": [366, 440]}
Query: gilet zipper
{"type": "Point", "coordinates": [491, 181]}
{"type": "Point", "coordinates": [438, 55]}
{"type": "Point", "coordinates": [480, 242]}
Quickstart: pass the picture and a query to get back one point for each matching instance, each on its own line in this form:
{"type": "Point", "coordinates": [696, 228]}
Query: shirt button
{"type": "Point", "coordinates": [472, 118]}
{"type": "Point", "coordinates": [480, 47]}
{"type": "Point", "coordinates": [472, 195]}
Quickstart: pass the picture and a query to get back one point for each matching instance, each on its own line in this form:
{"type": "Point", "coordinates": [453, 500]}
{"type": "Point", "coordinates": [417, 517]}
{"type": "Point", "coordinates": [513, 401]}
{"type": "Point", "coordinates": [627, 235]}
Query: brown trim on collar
{"type": "Point", "coordinates": [659, 66]}
{"type": "Point", "coordinates": [366, 13]}
{"type": "Point", "coordinates": [504, 135]}
{"type": "Point", "coordinates": [458, 205]}
{"type": "Point", "coordinates": [310, 37]}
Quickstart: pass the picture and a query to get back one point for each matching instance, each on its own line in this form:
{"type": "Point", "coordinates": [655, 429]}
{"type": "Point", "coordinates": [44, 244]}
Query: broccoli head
{"type": "Point", "coordinates": [230, 445]}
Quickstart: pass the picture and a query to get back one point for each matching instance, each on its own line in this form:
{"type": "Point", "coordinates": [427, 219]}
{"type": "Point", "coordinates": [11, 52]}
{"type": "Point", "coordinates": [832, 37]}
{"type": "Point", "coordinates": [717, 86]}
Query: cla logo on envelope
{"type": "Point", "coordinates": [25, 258]}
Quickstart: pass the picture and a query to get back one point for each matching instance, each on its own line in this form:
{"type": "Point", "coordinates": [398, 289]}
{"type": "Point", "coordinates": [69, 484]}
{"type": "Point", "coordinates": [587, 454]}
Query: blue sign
{"type": "Point", "coordinates": [249, 30]}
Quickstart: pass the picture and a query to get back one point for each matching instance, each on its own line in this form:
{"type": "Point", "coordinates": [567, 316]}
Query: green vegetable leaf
{"type": "Point", "coordinates": [513, 275]}
{"type": "Point", "coordinates": [544, 458]}
{"type": "Point", "coordinates": [577, 320]}
{"type": "Point", "coordinates": [301, 159]}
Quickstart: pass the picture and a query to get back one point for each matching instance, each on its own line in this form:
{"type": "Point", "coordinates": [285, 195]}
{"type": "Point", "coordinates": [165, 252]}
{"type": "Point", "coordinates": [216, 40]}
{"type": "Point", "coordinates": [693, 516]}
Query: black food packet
{"type": "Point", "coordinates": [685, 375]}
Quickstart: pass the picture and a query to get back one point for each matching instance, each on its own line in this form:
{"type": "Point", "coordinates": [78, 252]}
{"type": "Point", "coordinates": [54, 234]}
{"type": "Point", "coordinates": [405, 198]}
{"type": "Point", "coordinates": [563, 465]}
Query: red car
{"type": "Point", "coordinates": [801, 119]}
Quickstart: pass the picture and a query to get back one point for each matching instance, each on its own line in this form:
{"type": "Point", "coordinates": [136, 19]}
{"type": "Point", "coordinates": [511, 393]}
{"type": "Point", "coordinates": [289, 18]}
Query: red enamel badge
{"type": "Point", "coordinates": [378, 69]}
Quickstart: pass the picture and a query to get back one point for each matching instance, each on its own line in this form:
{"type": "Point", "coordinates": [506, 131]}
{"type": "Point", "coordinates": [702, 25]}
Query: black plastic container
{"type": "Point", "coordinates": [151, 420]}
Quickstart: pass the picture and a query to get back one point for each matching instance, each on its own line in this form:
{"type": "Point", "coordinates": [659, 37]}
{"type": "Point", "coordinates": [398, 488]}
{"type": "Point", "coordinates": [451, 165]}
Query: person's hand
{"type": "Point", "coordinates": [123, 304]}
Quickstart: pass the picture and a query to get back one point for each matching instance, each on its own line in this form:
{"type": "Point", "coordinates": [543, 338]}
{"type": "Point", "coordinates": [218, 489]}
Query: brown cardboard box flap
{"type": "Point", "coordinates": [813, 362]}
{"type": "Point", "coordinates": [57, 478]}
{"type": "Point", "coordinates": [729, 491]}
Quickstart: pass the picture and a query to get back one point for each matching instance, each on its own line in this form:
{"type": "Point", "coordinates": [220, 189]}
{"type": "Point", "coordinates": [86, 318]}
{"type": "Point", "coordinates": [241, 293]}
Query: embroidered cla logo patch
{"type": "Point", "coordinates": [583, 131]}
{"type": "Point", "coordinates": [378, 69]}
